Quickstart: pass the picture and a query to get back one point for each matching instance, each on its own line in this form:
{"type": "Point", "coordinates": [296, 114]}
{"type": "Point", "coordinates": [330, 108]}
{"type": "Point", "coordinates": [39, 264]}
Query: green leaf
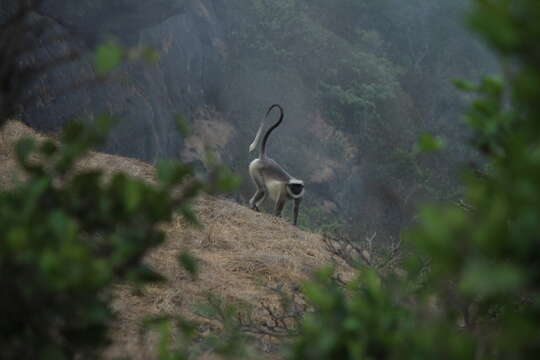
{"type": "Point", "coordinates": [108, 56]}
{"type": "Point", "coordinates": [465, 85]}
{"type": "Point", "coordinates": [101, 127]}
{"type": "Point", "coordinates": [172, 172]}
{"type": "Point", "coordinates": [227, 181]}
{"type": "Point", "coordinates": [48, 148]}
{"type": "Point", "coordinates": [24, 148]}
{"type": "Point", "coordinates": [132, 195]}
{"type": "Point", "coordinates": [189, 263]}
{"type": "Point", "coordinates": [144, 274]}
{"type": "Point", "coordinates": [17, 238]}
{"type": "Point", "coordinates": [188, 214]}
{"type": "Point", "coordinates": [150, 55]}
{"type": "Point", "coordinates": [34, 194]}
{"type": "Point", "coordinates": [182, 124]}
{"type": "Point", "coordinates": [64, 227]}
{"type": "Point", "coordinates": [485, 279]}
{"type": "Point", "coordinates": [429, 143]}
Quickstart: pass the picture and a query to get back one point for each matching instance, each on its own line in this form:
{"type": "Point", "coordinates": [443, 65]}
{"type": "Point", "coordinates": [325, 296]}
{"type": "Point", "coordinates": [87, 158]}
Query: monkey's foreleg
{"type": "Point", "coordinates": [280, 203]}
{"type": "Point", "coordinates": [296, 209]}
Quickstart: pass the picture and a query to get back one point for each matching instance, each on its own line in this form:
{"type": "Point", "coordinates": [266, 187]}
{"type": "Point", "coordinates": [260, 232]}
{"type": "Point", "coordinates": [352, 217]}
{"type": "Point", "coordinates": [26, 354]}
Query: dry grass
{"type": "Point", "coordinates": [11, 131]}
{"type": "Point", "coordinates": [240, 251]}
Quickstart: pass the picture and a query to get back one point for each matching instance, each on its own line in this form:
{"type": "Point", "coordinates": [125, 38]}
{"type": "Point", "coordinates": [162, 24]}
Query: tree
{"type": "Point", "coordinates": [473, 278]}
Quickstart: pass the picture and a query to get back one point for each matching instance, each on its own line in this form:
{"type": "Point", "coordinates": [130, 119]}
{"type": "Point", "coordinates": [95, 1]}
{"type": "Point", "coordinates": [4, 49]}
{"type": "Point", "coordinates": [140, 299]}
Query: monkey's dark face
{"type": "Point", "coordinates": [296, 189]}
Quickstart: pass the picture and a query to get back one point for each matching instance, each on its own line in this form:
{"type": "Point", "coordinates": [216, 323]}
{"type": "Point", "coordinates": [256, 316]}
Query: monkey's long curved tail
{"type": "Point", "coordinates": [265, 139]}
{"type": "Point", "coordinates": [259, 132]}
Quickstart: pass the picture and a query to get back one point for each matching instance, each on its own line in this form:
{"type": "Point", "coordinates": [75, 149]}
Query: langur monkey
{"type": "Point", "coordinates": [270, 178]}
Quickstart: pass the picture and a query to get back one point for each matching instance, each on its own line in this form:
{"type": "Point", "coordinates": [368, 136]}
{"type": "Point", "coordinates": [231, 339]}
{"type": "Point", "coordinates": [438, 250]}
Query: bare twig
{"type": "Point", "coordinates": [277, 322]}
{"type": "Point", "coordinates": [465, 206]}
{"type": "Point", "coordinates": [363, 253]}
{"type": "Point", "coordinates": [349, 251]}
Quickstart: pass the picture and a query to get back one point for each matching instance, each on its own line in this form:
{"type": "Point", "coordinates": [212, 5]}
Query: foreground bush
{"type": "Point", "coordinates": [68, 235]}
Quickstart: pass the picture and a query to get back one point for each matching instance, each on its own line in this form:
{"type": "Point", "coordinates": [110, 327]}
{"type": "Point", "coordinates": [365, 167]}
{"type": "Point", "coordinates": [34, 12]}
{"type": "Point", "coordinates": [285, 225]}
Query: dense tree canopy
{"type": "Point", "coordinates": [380, 71]}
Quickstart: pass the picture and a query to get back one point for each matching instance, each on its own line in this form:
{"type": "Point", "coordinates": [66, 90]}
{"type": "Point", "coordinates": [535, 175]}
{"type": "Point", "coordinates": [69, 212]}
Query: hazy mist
{"type": "Point", "coordinates": [360, 81]}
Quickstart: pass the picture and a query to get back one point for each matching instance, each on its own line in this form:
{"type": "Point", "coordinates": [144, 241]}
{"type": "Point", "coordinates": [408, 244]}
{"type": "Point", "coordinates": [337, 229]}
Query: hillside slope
{"type": "Point", "coordinates": [241, 253]}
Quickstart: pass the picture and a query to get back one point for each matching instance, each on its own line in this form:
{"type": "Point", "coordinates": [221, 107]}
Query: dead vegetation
{"type": "Point", "coordinates": [243, 256]}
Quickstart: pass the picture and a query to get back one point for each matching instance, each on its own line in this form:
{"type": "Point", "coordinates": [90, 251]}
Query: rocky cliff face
{"type": "Point", "coordinates": [188, 79]}
{"type": "Point", "coordinates": [187, 35]}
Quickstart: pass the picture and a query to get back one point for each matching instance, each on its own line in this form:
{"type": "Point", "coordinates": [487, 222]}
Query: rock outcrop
{"type": "Point", "coordinates": [188, 37]}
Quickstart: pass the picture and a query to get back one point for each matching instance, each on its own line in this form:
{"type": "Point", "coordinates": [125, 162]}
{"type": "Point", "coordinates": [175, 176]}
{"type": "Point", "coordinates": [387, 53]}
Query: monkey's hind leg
{"type": "Point", "coordinates": [261, 200]}
{"type": "Point", "coordinates": [257, 199]}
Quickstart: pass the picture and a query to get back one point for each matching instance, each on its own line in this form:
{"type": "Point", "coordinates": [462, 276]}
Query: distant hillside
{"type": "Point", "coordinates": [242, 253]}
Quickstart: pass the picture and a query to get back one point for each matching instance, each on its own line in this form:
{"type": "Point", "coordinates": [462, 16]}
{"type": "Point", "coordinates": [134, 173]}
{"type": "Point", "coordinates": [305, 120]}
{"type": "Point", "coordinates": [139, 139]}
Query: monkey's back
{"type": "Point", "coordinates": [268, 168]}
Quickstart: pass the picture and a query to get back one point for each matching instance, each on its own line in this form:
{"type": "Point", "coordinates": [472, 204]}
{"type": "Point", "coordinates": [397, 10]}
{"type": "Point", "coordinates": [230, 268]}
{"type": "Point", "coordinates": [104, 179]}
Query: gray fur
{"type": "Point", "coordinates": [270, 179]}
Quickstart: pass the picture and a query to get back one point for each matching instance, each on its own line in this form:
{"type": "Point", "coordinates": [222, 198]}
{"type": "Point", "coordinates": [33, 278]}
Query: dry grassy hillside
{"type": "Point", "coordinates": [241, 254]}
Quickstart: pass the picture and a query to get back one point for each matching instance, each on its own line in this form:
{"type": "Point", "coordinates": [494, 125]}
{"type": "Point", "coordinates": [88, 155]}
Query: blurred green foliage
{"type": "Point", "coordinates": [470, 288]}
{"type": "Point", "coordinates": [370, 319]}
{"type": "Point", "coordinates": [68, 234]}
{"type": "Point", "coordinates": [427, 143]}
{"type": "Point", "coordinates": [108, 56]}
